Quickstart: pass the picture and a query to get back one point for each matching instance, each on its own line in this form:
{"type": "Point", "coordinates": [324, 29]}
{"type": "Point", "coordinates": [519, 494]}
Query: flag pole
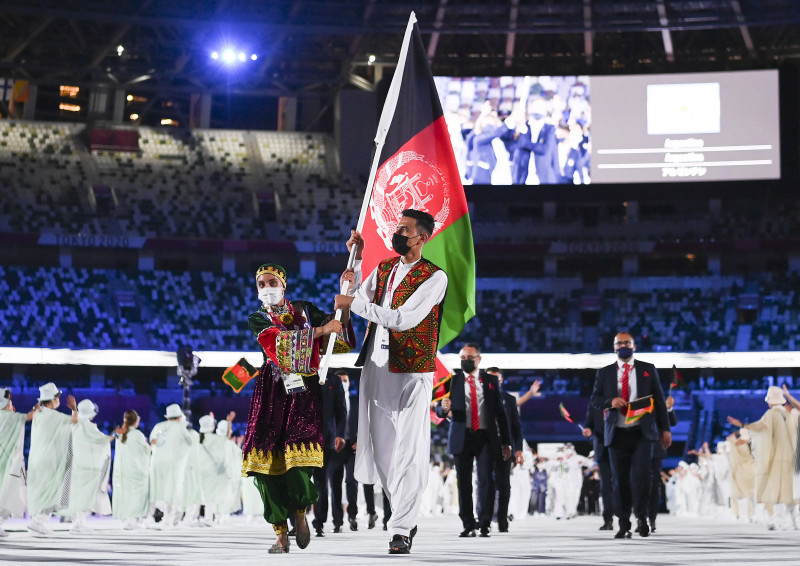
{"type": "Point", "coordinates": [380, 138]}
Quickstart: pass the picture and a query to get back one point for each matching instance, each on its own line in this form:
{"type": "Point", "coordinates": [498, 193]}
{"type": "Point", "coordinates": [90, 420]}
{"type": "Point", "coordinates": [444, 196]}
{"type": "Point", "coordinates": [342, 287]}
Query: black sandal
{"type": "Point", "coordinates": [400, 545]}
{"type": "Point", "coordinates": [303, 535]}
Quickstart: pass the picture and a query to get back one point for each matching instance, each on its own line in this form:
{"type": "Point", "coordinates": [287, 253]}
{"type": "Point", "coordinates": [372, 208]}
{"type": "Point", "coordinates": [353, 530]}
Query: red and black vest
{"type": "Point", "coordinates": [412, 350]}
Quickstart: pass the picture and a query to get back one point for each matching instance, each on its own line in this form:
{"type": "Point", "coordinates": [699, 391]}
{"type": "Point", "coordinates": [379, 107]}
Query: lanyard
{"type": "Point", "coordinates": [391, 280]}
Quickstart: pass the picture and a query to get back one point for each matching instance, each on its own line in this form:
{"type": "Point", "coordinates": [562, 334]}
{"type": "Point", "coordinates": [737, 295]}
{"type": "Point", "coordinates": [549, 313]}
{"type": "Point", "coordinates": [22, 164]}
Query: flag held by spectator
{"type": "Point", "coordinates": [237, 376]}
{"type": "Point", "coordinates": [639, 408]}
{"type": "Point", "coordinates": [565, 413]}
{"type": "Point", "coordinates": [415, 167]}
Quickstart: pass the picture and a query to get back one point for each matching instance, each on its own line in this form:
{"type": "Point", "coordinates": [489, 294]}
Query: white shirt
{"type": "Point", "coordinates": [468, 399]}
{"type": "Point", "coordinates": [407, 316]}
{"type": "Point", "coordinates": [631, 387]}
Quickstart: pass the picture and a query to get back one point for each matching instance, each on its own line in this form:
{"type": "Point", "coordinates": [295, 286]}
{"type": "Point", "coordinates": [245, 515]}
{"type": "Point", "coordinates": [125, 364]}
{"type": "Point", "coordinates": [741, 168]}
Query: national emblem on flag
{"type": "Point", "coordinates": [237, 376]}
{"type": "Point", "coordinates": [639, 408]}
{"type": "Point", "coordinates": [415, 167]}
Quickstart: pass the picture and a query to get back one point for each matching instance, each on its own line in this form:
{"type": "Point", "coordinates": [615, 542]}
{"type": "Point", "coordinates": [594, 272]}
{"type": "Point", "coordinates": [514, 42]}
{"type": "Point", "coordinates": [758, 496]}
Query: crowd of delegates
{"type": "Point", "coordinates": [751, 476]}
{"type": "Point", "coordinates": [155, 482]}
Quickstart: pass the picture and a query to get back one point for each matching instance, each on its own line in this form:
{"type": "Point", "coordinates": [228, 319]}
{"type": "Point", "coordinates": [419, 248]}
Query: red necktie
{"type": "Point", "coordinates": [473, 403]}
{"type": "Point", "coordinates": [626, 390]}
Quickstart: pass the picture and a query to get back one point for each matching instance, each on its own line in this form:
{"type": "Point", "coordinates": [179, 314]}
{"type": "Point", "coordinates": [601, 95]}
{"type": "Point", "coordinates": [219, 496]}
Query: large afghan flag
{"type": "Point", "coordinates": [416, 168]}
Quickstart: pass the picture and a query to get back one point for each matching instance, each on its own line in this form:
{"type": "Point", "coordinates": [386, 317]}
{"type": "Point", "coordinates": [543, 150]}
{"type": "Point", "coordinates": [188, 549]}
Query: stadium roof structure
{"type": "Point", "coordinates": [317, 47]}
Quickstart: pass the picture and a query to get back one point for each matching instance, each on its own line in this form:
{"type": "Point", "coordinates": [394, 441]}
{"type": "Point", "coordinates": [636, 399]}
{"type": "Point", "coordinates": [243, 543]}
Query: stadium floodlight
{"type": "Point", "coordinates": [242, 56]}
{"type": "Point", "coordinates": [371, 60]}
{"type": "Point", "coordinates": [253, 57]}
{"type": "Point", "coordinates": [120, 50]}
{"type": "Point", "coordinates": [215, 55]}
{"type": "Point", "coordinates": [228, 56]}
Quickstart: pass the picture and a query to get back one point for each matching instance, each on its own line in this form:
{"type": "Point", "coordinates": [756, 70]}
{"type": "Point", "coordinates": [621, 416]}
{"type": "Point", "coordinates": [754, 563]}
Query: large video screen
{"type": "Point", "coordinates": [618, 129]}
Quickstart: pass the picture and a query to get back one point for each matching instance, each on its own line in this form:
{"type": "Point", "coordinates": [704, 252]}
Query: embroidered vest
{"type": "Point", "coordinates": [412, 350]}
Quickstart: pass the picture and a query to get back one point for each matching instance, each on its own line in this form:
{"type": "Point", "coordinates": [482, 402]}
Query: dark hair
{"type": "Point", "coordinates": [425, 221]}
{"type": "Point", "coordinates": [633, 338]}
{"type": "Point", "coordinates": [494, 369]}
{"type": "Point", "coordinates": [202, 437]}
{"type": "Point", "coordinates": [472, 345]}
{"type": "Point", "coordinates": [341, 373]}
{"type": "Point", "coordinates": [128, 420]}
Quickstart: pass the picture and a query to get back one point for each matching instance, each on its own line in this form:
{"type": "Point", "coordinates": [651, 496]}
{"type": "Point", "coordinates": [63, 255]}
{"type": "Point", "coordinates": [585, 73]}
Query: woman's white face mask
{"type": "Point", "coordinates": [270, 296]}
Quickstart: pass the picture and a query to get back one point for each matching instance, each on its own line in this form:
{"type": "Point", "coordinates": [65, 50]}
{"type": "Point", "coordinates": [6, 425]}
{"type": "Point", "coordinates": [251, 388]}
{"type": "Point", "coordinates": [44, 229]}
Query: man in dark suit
{"type": "Point", "coordinates": [342, 468]}
{"type": "Point", "coordinates": [478, 431]}
{"type": "Point", "coordinates": [535, 138]}
{"type": "Point", "coordinates": [502, 475]}
{"type": "Point", "coordinates": [334, 416]}
{"type": "Point", "coordinates": [593, 429]}
{"type": "Point", "coordinates": [631, 442]}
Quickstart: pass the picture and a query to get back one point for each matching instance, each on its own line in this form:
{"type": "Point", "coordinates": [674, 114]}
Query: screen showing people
{"type": "Point", "coordinates": [519, 130]}
{"type": "Point", "coordinates": [576, 130]}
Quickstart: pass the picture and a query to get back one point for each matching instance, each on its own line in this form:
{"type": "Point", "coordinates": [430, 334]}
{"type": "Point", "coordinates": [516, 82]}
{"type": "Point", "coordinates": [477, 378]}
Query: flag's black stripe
{"type": "Point", "coordinates": [418, 104]}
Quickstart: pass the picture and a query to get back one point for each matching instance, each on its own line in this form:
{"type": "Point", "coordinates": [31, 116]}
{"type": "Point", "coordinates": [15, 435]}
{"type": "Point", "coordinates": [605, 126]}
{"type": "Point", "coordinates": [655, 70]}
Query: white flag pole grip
{"type": "Point", "coordinates": [322, 373]}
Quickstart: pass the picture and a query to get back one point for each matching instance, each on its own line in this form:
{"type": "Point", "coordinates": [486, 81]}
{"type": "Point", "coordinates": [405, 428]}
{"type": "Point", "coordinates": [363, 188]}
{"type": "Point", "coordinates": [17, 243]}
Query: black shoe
{"type": "Point", "coordinates": [353, 524]}
{"type": "Point", "coordinates": [400, 545]}
{"type": "Point", "coordinates": [337, 528]}
{"type": "Point", "coordinates": [652, 525]}
{"type": "Point", "coordinates": [485, 531]}
{"type": "Point", "coordinates": [385, 528]}
{"type": "Point", "coordinates": [320, 532]}
{"type": "Point", "coordinates": [373, 518]}
{"type": "Point", "coordinates": [293, 532]}
{"type": "Point", "coordinates": [411, 536]}
{"type": "Point", "coordinates": [303, 533]}
{"type": "Point", "coordinates": [502, 528]}
{"type": "Point", "coordinates": [642, 528]}
{"type": "Point", "coordinates": [607, 526]}
{"type": "Point", "coordinates": [468, 532]}
{"type": "Point", "coordinates": [624, 530]}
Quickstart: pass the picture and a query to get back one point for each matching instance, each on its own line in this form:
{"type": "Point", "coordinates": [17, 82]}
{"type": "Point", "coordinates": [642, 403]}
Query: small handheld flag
{"type": "Point", "coordinates": [677, 378]}
{"type": "Point", "coordinates": [565, 413]}
{"type": "Point", "coordinates": [441, 376]}
{"type": "Point", "coordinates": [639, 408]}
{"type": "Point", "coordinates": [237, 376]}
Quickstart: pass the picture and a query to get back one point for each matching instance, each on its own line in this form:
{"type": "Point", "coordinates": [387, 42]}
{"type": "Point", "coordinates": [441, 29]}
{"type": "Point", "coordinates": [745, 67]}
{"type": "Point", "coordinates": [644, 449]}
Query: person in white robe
{"type": "Point", "coordinates": [521, 485]}
{"type": "Point", "coordinates": [394, 405]}
{"type": "Point", "coordinates": [775, 438]}
{"type": "Point", "coordinates": [13, 491]}
{"type": "Point", "coordinates": [90, 469]}
{"type": "Point", "coordinates": [131, 480]}
{"type": "Point", "coordinates": [743, 476]}
{"type": "Point", "coordinates": [232, 494]}
{"type": "Point", "coordinates": [192, 493]}
{"type": "Point", "coordinates": [559, 485]}
{"type": "Point", "coordinates": [212, 464]}
{"type": "Point", "coordinates": [171, 442]}
{"type": "Point", "coordinates": [575, 465]}
{"type": "Point", "coordinates": [50, 459]}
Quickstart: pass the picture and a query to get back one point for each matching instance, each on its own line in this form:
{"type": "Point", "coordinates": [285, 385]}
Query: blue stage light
{"type": "Point", "coordinates": [215, 55]}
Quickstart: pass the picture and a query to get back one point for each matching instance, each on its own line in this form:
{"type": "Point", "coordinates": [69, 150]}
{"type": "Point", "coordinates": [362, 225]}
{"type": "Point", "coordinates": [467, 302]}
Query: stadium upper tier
{"type": "Point", "coordinates": [248, 185]}
{"type": "Point", "coordinates": [180, 183]}
{"type": "Point", "coordinates": [161, 310]}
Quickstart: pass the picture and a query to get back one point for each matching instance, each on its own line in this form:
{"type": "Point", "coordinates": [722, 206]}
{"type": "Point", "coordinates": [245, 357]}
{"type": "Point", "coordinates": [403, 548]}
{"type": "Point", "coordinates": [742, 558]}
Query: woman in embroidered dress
{"type": "Point", "coordinates": [283, 441]}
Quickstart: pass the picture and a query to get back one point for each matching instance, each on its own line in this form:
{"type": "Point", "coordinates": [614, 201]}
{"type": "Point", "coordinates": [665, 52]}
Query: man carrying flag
{"type": "Point", "coordinates": [617, 388]}
{"type": "Point", "coordinates": [402, 299]}
{"type": "Point", "coordinates": [415, 199]}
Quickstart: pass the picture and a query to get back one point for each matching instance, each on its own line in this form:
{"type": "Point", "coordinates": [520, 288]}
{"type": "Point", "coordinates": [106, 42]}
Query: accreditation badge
{"type": "Point", "coordinates": [293, 383]}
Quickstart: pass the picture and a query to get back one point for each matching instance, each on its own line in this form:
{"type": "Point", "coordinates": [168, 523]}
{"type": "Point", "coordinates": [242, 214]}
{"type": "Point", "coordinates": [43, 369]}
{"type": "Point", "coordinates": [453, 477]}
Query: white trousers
{"type": "Point", "coordinates": [394, 439]}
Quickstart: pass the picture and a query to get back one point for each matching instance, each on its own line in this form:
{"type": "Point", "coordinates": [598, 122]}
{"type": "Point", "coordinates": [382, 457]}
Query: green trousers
{"type": "Point", "coordinates": [287, 493]}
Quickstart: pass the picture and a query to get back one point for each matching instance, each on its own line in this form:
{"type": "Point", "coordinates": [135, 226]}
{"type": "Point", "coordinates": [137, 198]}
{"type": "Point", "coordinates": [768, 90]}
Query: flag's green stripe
{"type": "Point", "coordinates": [232, 380]}
{"type": "Point", "coordinates": [453, 251]}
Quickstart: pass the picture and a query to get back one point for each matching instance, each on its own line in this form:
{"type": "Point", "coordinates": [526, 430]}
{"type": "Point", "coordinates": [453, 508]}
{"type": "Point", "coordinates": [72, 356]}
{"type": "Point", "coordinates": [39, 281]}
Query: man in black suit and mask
{"type": "Point", "coordinates": [631, 429]}
{"type": "Point", "coordinates": [502, 475]}
{"type": "Point", "coordinates": [478, 431]}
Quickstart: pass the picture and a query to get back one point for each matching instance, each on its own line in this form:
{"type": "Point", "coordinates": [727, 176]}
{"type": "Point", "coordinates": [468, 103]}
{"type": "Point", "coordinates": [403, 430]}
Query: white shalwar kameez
{"type": "Point", "coordinates": [90, 471]}
{"type": "Point", "coordinates": [49, 464]}
{"type": "Point", "coordinates": [13, 495]}
{"type": "Point", "coordinates": [211, 460]}
{"type": "Point", "coordinates": [168, 467]}
{"type": "Point", "coordinates": [394, 433]}
{"type": "Point", "coordinates": [131, 481]}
